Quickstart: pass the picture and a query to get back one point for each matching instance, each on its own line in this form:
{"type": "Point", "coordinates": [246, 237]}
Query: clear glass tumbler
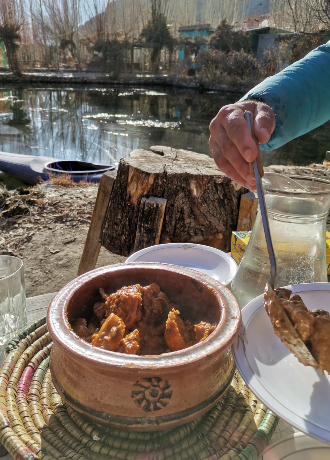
{"type": "Point", "coordinates": [12, 298]}
{"type": "Point", "coordinates": [297, 219]}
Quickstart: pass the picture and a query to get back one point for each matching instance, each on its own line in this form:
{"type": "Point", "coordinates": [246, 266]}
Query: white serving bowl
{"type": "Point", "coordinates": [205, 259]}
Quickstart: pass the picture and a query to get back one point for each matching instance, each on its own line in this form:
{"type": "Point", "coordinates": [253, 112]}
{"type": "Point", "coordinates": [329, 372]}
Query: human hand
{"type": "Point", "coordinates": [231, 143]}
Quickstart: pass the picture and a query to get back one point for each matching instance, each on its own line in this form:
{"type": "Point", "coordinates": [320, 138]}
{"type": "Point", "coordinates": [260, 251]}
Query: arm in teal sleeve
{"type": "Point", "coordinates": [299, 96]}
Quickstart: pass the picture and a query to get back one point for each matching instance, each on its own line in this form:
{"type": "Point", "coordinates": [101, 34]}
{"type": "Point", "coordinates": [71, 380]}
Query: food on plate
{"type": "Point", "coordinates": [305, 333]}
{"type": "Point", "coordinates": [139, 320]}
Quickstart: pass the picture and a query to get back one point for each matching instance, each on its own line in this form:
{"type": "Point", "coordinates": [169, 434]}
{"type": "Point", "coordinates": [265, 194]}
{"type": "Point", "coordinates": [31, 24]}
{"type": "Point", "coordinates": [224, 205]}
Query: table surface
{"type": "Point", "coordinates": [37, 308]}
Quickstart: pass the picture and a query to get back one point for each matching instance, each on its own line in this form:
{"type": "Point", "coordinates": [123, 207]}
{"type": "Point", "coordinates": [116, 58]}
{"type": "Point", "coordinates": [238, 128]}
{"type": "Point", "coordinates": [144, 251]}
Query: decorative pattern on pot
{"type": "Point", "coordinates": [151, 394]}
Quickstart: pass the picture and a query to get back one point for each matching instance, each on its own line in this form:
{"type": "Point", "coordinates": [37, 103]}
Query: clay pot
{"type": "Point", "coordinates": [144, 392]}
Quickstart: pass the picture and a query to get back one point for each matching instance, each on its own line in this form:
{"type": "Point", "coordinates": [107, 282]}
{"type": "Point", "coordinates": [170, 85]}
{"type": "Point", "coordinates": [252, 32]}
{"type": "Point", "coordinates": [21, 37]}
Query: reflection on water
{"type": "Point", "coordinates": [104, 125]}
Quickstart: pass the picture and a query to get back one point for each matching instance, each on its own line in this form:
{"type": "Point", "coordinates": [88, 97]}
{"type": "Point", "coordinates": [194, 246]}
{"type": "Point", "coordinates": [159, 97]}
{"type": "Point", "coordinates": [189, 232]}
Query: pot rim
{"type": "Point", "coordinates": [222, 337]}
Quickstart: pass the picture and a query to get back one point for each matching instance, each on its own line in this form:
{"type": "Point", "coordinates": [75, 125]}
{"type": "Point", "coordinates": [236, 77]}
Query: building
{"type": "Point", "coordinates": [194, 39]}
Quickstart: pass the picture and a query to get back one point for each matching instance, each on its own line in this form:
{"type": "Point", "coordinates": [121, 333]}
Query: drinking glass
{"type": "Point", "coordinates": [12, 298]}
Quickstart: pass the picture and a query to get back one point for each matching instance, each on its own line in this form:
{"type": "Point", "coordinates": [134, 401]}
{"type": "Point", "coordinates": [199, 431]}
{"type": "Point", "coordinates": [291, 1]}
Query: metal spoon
{"type": "Point", "coordinates": [258, 173]}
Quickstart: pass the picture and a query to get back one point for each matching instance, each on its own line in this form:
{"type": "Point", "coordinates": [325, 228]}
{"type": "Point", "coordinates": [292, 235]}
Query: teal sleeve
{"type": "Point", "coordinates": [299, 96]}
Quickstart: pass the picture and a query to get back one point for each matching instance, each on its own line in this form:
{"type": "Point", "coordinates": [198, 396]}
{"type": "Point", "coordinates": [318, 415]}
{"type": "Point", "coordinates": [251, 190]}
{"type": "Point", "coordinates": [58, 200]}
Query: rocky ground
{"type": "Point", "coordinates": [46, 227]}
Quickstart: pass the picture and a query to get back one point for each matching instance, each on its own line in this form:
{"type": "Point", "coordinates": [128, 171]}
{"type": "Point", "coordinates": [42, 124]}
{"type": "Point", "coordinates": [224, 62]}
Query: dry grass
{"type": "Point", "coordinates": [65, 180]}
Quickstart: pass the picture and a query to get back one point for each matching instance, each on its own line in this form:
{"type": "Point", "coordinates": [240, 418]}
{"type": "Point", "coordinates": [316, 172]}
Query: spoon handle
{"type": "Point", "coordinates": [258, 170]}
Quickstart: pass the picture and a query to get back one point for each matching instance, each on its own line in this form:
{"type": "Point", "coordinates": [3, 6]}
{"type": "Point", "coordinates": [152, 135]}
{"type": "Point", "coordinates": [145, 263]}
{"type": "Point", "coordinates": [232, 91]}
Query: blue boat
{"type": "Point", "coordinates": [33, 169]}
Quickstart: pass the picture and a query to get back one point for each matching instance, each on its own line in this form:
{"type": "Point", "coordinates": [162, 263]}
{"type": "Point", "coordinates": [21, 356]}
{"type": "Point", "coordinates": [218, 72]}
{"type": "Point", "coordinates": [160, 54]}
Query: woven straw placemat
{"type": "Point", "coordinates": [35, 424]}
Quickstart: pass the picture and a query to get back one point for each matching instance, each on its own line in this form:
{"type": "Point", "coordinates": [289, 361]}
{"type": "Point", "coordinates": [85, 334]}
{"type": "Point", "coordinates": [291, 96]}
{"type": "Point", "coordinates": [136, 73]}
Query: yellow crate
{"type": "Point", "coordinates": [328, 252]}
{"type": "Point", "coordinates": [239, 241]}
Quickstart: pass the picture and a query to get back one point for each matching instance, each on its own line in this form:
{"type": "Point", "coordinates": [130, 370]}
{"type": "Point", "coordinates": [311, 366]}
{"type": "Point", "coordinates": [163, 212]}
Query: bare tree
{"type": "Point", "coordinates": [322, 13]}
{"type": "Point", "coordinates": [97, 27]}
{"type": "Point", "coordinates": [10, 26]}
{"type": "Point", "coordinates": [59, 21]}
{"type": "Point", "coordinates": [156, 35]}
{"type": "Point", "coordinates": [295, 15]}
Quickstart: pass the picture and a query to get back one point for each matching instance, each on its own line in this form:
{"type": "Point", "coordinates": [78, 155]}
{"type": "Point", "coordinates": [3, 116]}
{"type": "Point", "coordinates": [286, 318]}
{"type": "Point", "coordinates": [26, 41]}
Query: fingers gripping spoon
{"type": "Point", "coordinates": [258, 173]}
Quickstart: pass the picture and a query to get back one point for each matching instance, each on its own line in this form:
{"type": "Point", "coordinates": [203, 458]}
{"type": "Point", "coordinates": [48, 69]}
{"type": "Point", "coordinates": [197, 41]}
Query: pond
{"type": "Point", "coordinates": [103, 125]}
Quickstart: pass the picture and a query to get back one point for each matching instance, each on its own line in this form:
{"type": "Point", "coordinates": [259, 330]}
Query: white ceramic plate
{"type": "Point", "coordinates": [205, 259]}
{"type": "Point", "coordinates": [297, 447]}
{"type": "Point", "coordinates": [298, 394]}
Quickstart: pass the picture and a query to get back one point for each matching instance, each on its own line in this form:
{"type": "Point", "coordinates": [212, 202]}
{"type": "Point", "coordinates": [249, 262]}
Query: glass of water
{"type": "Point", "coordinates": [12, 298]}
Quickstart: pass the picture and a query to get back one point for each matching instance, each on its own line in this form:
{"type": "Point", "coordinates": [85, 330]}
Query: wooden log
{"type": "Point", "coordinates": [201, 202]}
{"type": "Point", "coordinates": [150, 222]}
{"type": "Point", "coordinates": [247, 211]}
{"type": "Point", "coordinates": [92, 244]}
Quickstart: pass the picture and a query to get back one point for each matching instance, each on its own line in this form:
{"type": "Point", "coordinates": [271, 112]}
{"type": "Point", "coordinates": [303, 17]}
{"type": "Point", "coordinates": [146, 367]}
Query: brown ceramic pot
{"type": "Point", "coordinates": [144, 392]}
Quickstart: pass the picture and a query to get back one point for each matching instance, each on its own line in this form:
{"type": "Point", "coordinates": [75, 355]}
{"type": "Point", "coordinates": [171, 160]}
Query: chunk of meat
{"type": "Point", "coordinates": [283, 293]}
{"type": "Point", "coordinates": [284, 329]}
{"type": "Point", "coordinates": [110, 334]}
{"type": "Point", "coordinates": [100, 309]}
{"type": "Point", "coordinates": [153, 287]}
{"type": "Point", "coordinates": [306, 333]}
{"type": "Point", "coordinates": [127, 304]}
{"type": "Point", "coordinates": [162, 295]}
{"type": "Point", "coordinates": [301, 318]}
{"type": "Point", "coordinates": [320, 341]}
{"type": "Point", "coordinates": [80, 328]}
{"type": "Point", "coordinates": [156, 306]}
{"type": "Point", "coordinates": [203, 330]}
{"type": "Point", "coordinates": [190, 331]}
{"type": "Point", "coordinates": [313, 328]}
{"type": "Point", "coordinates": [176, 334]}
{"type": "Point", "coordinates": [152, 343]}
{"type": "Point", "coordinates": [130, 343]}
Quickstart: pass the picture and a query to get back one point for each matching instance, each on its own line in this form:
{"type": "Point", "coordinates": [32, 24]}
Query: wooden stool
{"type": "Point", "coordinates": [92, 245]}
{"type": "Point", "coordinates": [201, 204]}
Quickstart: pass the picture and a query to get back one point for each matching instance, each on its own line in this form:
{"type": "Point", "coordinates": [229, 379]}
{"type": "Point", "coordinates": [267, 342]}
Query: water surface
{"type": "Point", "coordinates": [105, 124]}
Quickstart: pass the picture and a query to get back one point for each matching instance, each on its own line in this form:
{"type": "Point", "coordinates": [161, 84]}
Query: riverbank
{"type": "Point", "coordinates": [46, 227]}
{"type": "Point", "coordinates": [76, 78]}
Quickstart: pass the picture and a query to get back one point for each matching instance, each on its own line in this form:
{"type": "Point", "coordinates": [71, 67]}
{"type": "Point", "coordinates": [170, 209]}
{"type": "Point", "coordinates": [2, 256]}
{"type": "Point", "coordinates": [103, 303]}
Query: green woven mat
{"type": "Point", "coordinates": [35, 424]}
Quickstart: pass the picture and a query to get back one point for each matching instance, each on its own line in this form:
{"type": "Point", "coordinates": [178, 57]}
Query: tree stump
{"type": "Point", "coordinates": [150, 222]}
{"type": "Point", "coordinates": [201, 202]}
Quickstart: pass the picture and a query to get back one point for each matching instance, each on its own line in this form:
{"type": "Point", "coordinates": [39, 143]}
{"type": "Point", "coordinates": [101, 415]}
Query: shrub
{"type": "Point", "coordinates": [113, 54]}
{"type": "Point", "coordinates": [181, 68]}
{"type": "Point", "coordinates": [236, 64]}
{"type": "Point", "coordinates": [226, 39]}
{"type": "Point", "coordinates": [242, 65]}
{"type": "Point", "coordinates": [211, 63]}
